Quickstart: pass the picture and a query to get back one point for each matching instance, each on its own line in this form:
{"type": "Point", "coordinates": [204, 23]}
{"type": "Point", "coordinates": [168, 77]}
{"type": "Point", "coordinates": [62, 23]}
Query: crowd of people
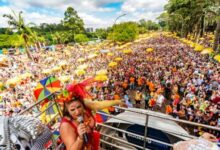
{"type": "Point", "coordinates": [172, 78]}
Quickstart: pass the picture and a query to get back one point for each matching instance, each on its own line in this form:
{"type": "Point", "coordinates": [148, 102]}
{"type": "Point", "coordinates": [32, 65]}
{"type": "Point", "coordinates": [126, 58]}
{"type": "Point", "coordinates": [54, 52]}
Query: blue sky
{"type": "Point", "coordinates": [95, 13]}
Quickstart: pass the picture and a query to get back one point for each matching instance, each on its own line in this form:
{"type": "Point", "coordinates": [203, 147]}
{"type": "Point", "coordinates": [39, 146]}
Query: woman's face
{"type": "Point", "coordinates": [75, 109]}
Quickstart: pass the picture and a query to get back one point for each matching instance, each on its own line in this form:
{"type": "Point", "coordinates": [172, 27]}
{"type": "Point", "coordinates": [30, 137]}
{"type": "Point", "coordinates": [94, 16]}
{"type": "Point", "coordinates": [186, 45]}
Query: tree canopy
{"type": "Point", "coordinates": [73, 23]}
{"type": "Point", "coordinates": [124, 32]}
{"type": "Point", "coordinates": [192, 17]}
{"type": "Point", "coordinates": [80, 38]}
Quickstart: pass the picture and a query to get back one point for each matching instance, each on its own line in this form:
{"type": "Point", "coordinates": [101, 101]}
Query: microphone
{"type": "Point", "coordinates": [85, 135]}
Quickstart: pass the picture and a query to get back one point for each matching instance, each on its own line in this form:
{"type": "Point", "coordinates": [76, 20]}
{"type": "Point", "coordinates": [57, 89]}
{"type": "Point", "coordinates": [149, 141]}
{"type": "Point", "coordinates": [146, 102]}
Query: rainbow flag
{"type": "Point", "coordinates": [100, 118]}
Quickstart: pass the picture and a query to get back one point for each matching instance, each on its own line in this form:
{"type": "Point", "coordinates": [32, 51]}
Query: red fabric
{"type": "Point", "coordinates": [216, 99]}
{"type": "Point", "coordinates": [79, 88]}
{"type": "Point", "coordinates": [94, 136]}
{"type": "Point", "coordinates": [96, 142]}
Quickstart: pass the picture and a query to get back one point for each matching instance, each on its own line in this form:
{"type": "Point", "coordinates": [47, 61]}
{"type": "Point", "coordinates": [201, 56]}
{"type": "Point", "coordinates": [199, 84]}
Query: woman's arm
{"type": "Point", "coordinates": [69, 137]}
{"type": "Point", "coordinates": [99, 105]}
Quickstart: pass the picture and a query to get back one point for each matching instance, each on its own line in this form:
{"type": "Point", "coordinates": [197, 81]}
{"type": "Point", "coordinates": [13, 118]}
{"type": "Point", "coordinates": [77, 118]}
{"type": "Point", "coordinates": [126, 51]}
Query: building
{"type": "Point", "coordinates": [89, 29]}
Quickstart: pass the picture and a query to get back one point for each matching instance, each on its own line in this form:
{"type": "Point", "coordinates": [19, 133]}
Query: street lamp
{"type": "Point", "coordinates": [114, 25]}
{"type": "Point", "coordinates": [118, 18]}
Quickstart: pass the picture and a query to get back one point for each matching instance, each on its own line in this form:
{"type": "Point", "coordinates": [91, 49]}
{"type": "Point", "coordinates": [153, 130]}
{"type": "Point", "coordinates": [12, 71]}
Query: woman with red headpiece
{"type": "Point", "coordinates": [77, 126]}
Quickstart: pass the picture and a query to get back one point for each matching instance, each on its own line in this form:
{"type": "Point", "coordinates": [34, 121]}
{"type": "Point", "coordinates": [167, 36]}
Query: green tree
{"type": "Point", "coordinates": [192, 17]}
{"type": "Point", "coordinates": [17, 23]}
{"type": "Point", "coordinates": [163, 20]}
{"type": "Point", "coordinates": [142, 27]}
{"type": "Point", "coordinates": [216, 11]}
{"type": "Point", "coordinates": [101, 33]}
{"type": "Point", "coordinates": [5, 31]}
{"type": "Point", "coordinates": [73, 23]}
{"type": "Point", "coordinates": [81, 38]}
{"type": "Point", "coordinates": [148, 25]}
{"type": "Point", "coordinates": [7, 41]}
{"type": "Point", "coordinates": [142, 23]}
{"type": "Point", "coordinates": [124, 32]}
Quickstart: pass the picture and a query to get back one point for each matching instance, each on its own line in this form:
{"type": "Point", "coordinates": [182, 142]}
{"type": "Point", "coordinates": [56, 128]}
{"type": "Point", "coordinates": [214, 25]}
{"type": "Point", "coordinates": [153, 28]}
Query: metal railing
{"type": "Point", "coordinates": [145, 138]}
{"type": "Point", "coordinates": [51, 120]}
{"type": "Point", "coordinates": [105, 137]}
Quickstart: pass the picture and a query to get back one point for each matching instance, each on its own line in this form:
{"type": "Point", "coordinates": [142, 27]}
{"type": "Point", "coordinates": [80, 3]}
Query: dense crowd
{"type": "Point", "coordinates": [172, 78]}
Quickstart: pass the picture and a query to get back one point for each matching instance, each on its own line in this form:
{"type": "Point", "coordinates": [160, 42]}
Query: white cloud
{"type": "Point", "coordinates": [93, 21]}
{"type": "Point", "coordinates": [143, 5]}
{"type": "Point", "coordinates": [93, 12]}
{"type": "Point", "coordinates": [142, 9]}
{"type": "Point", "coordinates": [34, 17]}
{"type": "Point", "coordinates": [4, 10]}
{"type": "Point", "coordinates": [38, 18]}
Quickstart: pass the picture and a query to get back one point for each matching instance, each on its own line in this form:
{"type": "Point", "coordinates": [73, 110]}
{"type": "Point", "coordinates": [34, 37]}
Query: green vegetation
{"type": "Point", "coordinates": [80, 38]}
{"type": "Point", "coordinates": [73, 23]}
{"type": "Point", "coordinates": [17, 23]}
{"type": "Point", "coordinates": [184, 17]}
{"type": "Point", "coordinates": [124, 32]}
{"type": "Point", "coordinates": [6, 41]}
{"type": "Point", "coordinates": [192, 17]}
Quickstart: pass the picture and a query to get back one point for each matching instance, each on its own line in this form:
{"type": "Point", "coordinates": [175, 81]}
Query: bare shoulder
{"type": "Point", "coordinates": [66, 128]}
{"type": "Point", "coordinates": [67, 133]}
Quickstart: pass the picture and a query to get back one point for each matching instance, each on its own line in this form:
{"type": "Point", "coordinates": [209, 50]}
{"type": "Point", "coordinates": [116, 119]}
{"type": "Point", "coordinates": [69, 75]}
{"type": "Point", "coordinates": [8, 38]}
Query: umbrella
{"type": "Point", "coordinates": [198, 47]}
{"type": "Point", "coordinates": [82, 67]}
{"type": "Point", "coordinates": [110, 54]}
{"type": "Point", "coordinates": [1, 84]}
{"type": "Point", "coordinates": [207, 51]}
{"type": "Point", "coordinates": [46, 71]}
{"type": "Point", "coordinates": [149, 49]}
{"type": "Point", "coordinates": [112, 64]}
{"type": "Point", "coordinates": [217, 57]}
{"type": "Point", "coordinates": [192, 44]}
{"type": "Point", "coordinates": [26, 75]}
{"type": "Point", "coordinates": [211, 41]}
{"type": "Point", "coordinates": [202, 38]}
{"type": "Point", "coordinates": [56, 68]}
{"type": "Point", "coordinates": [118, 59]}
{"type": "Point", "coordinates": [3, 58]}
{"type": "Point", "coordinates": [80, 72]}
{"type": "Point", "coordinates": [46, 87]}
{"type": "Point", "coordinates": [63, 63]}
{"type": "Point", "coordinates": [127, 51]}
{"type": "Point", "coordinates": [49, 59]}
{"type": "Point", "coordinates": [64, 78]}
{"type": "Point", "coordinates": [102, 72]}
{"type": "Point", "coordinates": [81, 60]}
{"type": "Point", "coordinates": [101, 78]}
{"type": "Point", "coordinates": [92, 56]}
{"type": "Point", "coordinates": [51, 107]}
{"type": "Point", "coordinates": [13, 81]}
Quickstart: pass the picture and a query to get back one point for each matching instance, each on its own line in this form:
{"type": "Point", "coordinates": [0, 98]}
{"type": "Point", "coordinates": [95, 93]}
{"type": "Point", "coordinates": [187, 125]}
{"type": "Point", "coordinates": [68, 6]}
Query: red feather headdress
{"type": "Point", "coordinates": [77, 90]}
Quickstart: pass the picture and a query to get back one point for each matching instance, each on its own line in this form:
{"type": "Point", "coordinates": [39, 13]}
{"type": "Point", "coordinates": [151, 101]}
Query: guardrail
{"type": "Point", "coordinates": [105, 136]}
{"type": "Point", "coordinates": [145, 138]}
